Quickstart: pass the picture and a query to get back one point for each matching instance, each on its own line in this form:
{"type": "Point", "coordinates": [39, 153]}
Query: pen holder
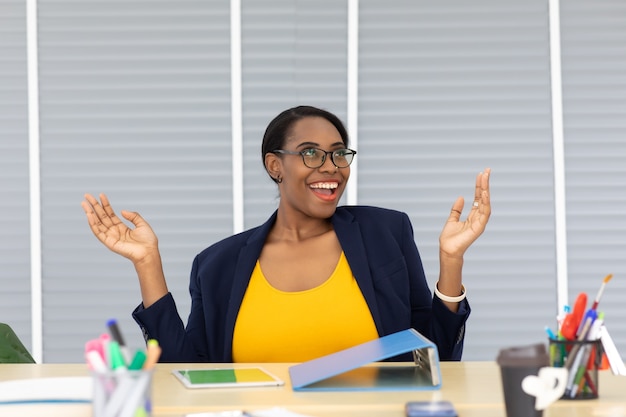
{"type": "Point", "coordinates": [122, 394]}
{"type": "Point", "coordinates": [582, 360]}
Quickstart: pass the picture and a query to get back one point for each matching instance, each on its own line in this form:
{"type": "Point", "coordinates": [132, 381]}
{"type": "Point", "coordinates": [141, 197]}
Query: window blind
{"type": "Point", "coordinates": [134, 103]}
{"type": "Point", "coordinates": [447, 89]}
{"type": "Point", "coordinates": [14, 191]}
{"type": "Point", "coordinates": [293, 53]}
{"type": "Point", "coordinates": [594, 105]}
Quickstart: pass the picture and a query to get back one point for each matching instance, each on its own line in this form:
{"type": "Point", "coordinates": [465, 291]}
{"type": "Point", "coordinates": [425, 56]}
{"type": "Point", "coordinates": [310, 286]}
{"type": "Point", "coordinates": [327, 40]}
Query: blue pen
{"type": "Point", "coordinates": [590, 316]}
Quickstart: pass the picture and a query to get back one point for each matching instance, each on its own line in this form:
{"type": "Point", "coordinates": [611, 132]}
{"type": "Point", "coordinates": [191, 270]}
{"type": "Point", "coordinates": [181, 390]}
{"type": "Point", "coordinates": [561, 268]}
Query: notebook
{"type": "Point", "coordinates": [345, 370]}
{"type": "Point", "coordinates": [46, 390]}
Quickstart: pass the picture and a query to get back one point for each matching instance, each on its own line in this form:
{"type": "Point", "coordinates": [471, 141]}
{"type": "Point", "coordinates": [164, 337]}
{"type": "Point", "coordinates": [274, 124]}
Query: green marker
{"type": "Point", "coordinates": [138, 360]}
{"type": "Point", "coordinates": [116, 356]}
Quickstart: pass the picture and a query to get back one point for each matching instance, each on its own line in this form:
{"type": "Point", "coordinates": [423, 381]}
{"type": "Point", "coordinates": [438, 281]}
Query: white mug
{"type": "Point", "coordinates": [547, 387]}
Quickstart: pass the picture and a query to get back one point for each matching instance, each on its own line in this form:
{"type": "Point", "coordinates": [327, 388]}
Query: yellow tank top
{"type": "Point", "coordinates": [279, 326]}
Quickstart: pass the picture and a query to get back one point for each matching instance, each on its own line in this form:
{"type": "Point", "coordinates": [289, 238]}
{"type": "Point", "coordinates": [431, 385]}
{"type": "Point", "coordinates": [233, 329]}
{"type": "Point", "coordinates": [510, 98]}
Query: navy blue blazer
{"type": "Point", "coordinates": [380, 248]}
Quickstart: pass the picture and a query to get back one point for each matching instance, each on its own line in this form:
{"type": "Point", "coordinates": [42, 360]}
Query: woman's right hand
{"type": "Point", "coordinates": [140, 244]}
{"type": "Point", "coordinates": [136, 244]}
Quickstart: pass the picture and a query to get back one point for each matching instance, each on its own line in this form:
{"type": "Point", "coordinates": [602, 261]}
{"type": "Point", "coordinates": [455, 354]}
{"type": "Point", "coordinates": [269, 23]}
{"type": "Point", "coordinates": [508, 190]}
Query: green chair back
{"type": "Point", "coordinates": [11, 348]}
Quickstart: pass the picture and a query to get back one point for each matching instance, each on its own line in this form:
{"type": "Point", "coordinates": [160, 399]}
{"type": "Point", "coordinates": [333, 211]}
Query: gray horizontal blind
{"type": "Point", "coordinates": [293, 53]}
{"type": "Point", "coordinates": [135, 102]}
{"type": "Point", "coordinates": [14, 188]}
{"type": "Point", "coordinates": [447, 89]}
{"type": "Point", "coordinates": [594, 102]}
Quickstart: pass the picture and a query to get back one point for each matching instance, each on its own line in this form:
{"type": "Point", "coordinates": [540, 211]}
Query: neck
{"type": "Point", "coordinates": [295, 228]}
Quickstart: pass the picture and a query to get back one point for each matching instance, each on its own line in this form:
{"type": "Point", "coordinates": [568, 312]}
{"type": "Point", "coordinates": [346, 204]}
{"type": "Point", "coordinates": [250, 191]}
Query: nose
{"type": "Point", "coordinates": [328, 165]}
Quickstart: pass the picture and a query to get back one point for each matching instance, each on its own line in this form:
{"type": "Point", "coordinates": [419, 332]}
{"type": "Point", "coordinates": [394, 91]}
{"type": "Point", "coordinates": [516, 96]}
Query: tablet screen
{"type": "Point", "coordinates": [226, 377]}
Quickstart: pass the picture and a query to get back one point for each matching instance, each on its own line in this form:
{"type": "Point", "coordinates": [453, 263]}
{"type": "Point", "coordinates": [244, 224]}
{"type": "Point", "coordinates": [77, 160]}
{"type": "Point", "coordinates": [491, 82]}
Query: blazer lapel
{"type": "Point", "coordinates": [246, 261]}
{"type": "Point", "coordinates": [349, 234]}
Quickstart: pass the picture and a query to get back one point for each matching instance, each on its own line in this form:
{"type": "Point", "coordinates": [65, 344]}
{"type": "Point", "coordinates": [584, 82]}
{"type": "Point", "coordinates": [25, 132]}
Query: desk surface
{"type": "Point", "coordinates": [473, 387]}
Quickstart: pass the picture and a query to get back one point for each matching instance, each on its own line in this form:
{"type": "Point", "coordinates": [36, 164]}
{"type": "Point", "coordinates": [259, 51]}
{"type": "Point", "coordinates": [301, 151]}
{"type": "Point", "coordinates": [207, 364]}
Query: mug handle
{"type": "Point", "coordinates": [547, 387]}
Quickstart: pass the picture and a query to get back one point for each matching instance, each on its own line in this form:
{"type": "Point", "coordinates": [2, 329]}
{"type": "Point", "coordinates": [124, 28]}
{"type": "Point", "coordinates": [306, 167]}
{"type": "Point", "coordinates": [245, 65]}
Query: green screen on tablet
{"type": "Point", "coordinates": [226, 377]}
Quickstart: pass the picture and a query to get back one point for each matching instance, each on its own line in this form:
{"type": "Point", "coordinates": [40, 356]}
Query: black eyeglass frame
{"type": "Point", "coordinates": [351, 152]}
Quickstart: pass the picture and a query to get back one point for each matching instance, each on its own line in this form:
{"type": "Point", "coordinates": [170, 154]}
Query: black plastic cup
{"type": "Point", "coordinates": [516, 363]}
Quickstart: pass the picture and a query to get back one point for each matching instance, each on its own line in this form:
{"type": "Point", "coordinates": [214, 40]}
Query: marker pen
{"type": "Point", "coordinates": [138, 360]}
{"type": "Point", "coordinates": [117, 336]}
{"type": "Point", "coordinates": [594, 331]}
{"type": "Point", "coordinates": [95, 361]}
{"type": "Point", "coordinates": [94, 346]}
{"type": "Point", "coordinates": [117, 362]}
{"type": "Point", "coordinates": [104, 340]}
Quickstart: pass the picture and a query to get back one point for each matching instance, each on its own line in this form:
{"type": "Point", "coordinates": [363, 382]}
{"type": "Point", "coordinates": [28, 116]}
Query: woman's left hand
{"type": "Point", "coordinates": [458, 235]}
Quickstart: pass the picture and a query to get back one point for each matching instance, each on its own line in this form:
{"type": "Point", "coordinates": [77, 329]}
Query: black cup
{"type": "Point", "coordinates": [516, 363]}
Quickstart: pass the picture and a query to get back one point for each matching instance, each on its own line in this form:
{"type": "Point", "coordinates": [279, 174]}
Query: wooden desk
{"type": "Point", "coordinates": [473, 387]}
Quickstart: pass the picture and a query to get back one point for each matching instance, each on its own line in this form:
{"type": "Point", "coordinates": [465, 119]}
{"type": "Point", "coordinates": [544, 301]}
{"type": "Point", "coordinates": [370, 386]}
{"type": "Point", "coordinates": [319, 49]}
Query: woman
{"type": "Point", "coordinates": [315, 278]}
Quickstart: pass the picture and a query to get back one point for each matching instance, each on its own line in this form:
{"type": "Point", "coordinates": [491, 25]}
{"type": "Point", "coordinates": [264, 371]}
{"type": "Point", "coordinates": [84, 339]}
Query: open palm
{"type": "Point", "coordinates": [133, 244]}
{"type": "Point", "coordinates": [458, 235]}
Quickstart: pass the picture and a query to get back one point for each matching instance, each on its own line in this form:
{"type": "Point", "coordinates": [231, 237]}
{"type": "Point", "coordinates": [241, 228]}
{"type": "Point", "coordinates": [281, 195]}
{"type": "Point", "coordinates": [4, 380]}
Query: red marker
{"type": "Point", "coordinates": [571, 322]}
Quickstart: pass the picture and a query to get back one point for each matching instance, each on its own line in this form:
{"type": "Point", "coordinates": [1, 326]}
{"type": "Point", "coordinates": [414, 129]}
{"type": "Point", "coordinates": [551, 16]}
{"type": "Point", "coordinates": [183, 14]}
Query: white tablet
{"type": "Point", "coordinates": [226, 377]}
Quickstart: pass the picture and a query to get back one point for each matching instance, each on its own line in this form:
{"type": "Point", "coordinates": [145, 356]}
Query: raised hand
{"type": "Point", "coordinates": [135, 244]}
{"type": "Point", "coordinates": [458, 235]}
{"type": "Point", "coordinates": [140, 244]}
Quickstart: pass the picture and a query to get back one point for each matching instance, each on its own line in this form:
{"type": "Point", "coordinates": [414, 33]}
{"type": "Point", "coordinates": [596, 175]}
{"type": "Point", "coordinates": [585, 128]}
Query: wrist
{"type": "Point", "coordinates": [151, 278]}
{"type": "Point", "coordinates": [447, 258]}
{"type": "Point", "coordinates": [151, 258]}
{"type": "Point", "coordinates": [450, 298]}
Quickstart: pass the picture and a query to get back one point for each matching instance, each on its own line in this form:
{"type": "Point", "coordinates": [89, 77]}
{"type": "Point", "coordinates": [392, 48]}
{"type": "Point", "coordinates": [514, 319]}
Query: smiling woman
{"type": "Point", "coordinates": [315, 278]}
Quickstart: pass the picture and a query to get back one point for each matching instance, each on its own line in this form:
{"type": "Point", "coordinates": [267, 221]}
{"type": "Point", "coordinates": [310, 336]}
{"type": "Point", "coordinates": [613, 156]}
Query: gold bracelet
{"type": "Point", "coordinates": [444, 297]}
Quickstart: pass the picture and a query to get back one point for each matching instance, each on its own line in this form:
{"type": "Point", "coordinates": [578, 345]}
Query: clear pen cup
{"type": "Point", "coordinates": [582, 360]}
{"type": "Point", "coordinates": [122, 394]}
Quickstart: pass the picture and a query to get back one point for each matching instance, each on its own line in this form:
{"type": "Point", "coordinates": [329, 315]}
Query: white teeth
{"type": "Point", "coordinates": [327, 185]}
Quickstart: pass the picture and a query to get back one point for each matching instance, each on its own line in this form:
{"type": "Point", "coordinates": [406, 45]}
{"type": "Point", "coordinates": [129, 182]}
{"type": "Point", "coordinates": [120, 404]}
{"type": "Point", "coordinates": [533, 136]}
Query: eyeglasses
{"type": "Point", "coordinates": [315, 158]}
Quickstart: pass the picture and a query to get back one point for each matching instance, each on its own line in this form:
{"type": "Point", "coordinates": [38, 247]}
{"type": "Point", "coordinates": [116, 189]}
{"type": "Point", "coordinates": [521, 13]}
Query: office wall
{"type": "Point", "coordinates": [594, 101]}
{"type": "Point", "coordinates": [14, 178]}
{"type": "Point", "coordinates": [135, 102]}
{"type": "Point", "coordinates": [447, 89]}
{"type": "Point", "coordinates": [292, 53]}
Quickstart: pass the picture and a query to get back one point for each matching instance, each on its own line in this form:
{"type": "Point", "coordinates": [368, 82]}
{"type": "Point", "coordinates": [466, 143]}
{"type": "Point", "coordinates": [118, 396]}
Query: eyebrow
{"type": "Point", "coordinates": [317, 145]}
